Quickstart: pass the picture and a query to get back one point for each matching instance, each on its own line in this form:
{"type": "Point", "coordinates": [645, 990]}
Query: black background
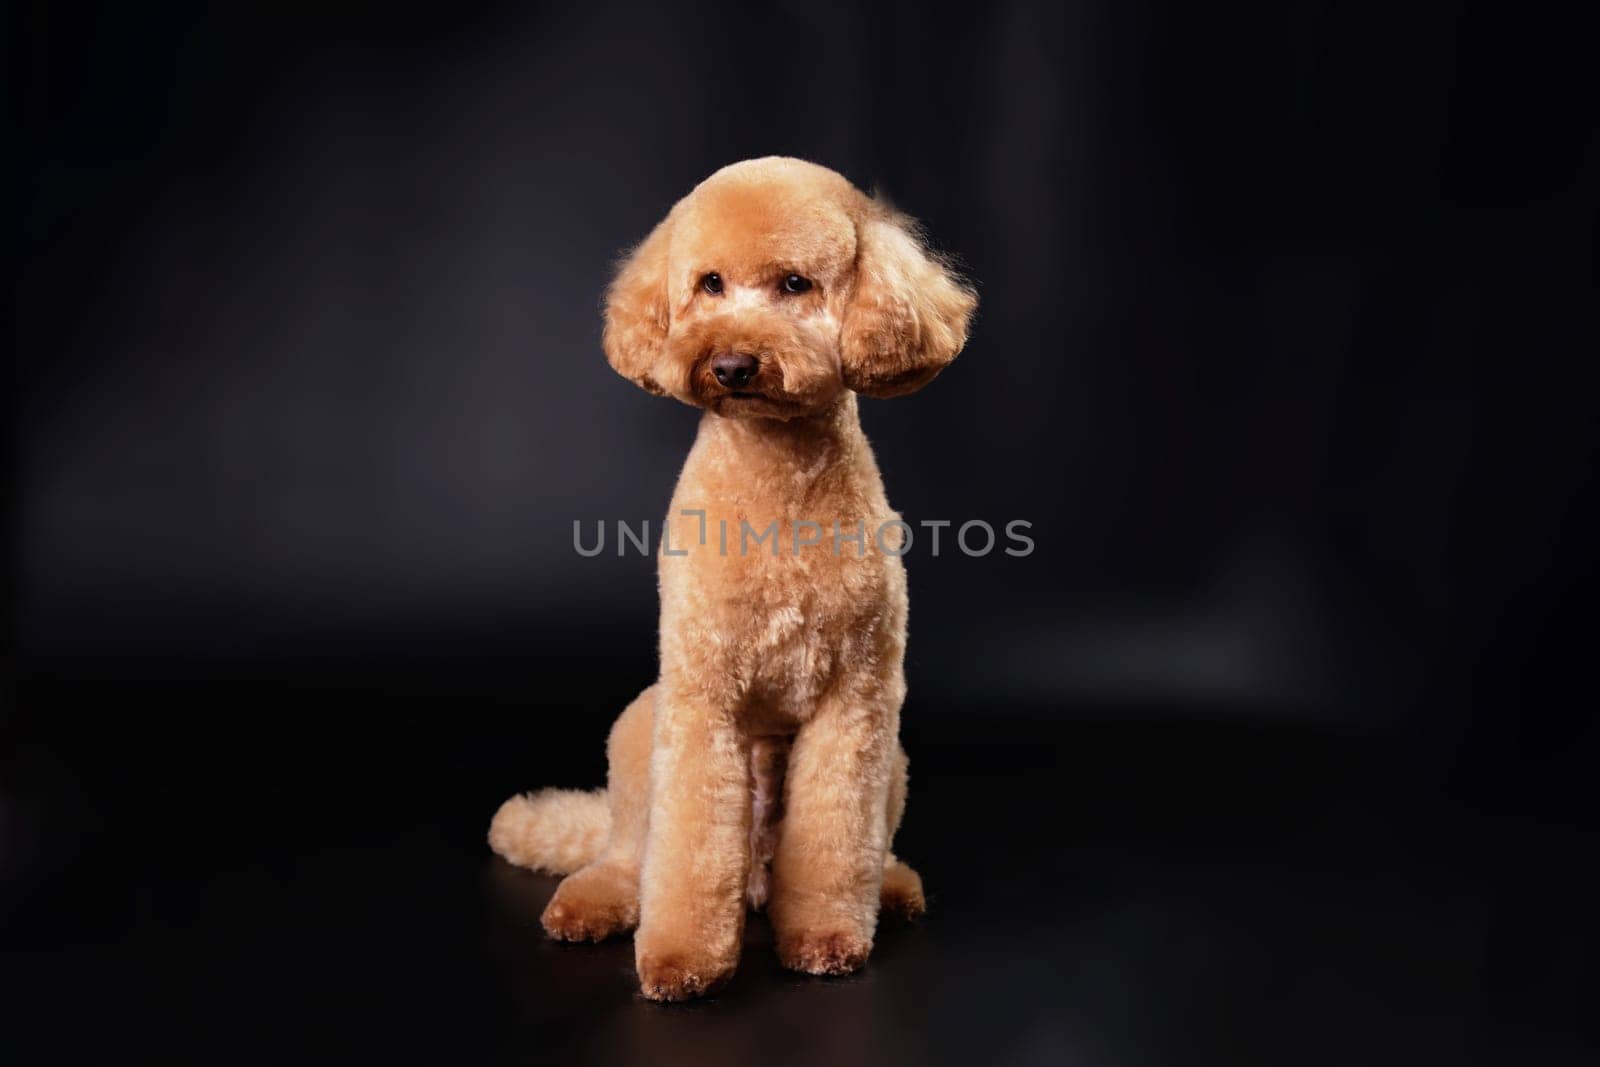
{"type": "Point", "coordinates": [1277, 748]}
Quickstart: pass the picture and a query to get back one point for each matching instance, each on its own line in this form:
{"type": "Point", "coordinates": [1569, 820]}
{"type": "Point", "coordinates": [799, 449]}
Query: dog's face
{"type": "Point", "coordinates": [774, 286]}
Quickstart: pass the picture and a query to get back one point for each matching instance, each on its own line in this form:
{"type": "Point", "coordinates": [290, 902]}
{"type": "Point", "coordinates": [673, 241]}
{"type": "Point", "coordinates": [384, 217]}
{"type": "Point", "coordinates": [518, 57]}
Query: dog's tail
{"type": "Point", "coordinates": [554, 830]}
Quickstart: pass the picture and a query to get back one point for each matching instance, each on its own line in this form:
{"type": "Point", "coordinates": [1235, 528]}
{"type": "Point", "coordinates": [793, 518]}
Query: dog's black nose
{"type": "Point", "coordinates": [734, 369]}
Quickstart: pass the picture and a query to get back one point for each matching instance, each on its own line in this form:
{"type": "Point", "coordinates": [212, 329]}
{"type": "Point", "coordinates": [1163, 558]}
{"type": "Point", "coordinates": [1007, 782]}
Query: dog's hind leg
{"type": "Point", "coordinates": [602, 898]}
{"type": "Point", "coordinates": [902, 887]}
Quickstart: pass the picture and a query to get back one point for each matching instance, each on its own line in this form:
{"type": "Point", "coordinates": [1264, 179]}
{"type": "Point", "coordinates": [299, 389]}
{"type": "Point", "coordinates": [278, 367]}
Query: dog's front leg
{"type": "Point", "coordinates": [697, 855]}
{"type": "Point", "coordinates": [828, 868]}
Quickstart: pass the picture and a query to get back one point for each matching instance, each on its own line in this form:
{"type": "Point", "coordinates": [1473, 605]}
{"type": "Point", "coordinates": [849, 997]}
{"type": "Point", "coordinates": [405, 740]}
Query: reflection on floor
{"type": "Point", "coordinates": [1108, 885]}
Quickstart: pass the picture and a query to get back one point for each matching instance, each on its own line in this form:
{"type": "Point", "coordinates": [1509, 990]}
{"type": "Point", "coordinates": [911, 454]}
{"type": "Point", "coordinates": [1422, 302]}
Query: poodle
{"type": "Point", "coordinates": [763, 768]}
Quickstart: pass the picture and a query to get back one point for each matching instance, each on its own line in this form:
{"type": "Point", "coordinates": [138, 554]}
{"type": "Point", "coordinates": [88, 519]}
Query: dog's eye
{"type": "Point", "coordinates": [796, 284]}
{"type": "Point", "coordinates": [712, 283]}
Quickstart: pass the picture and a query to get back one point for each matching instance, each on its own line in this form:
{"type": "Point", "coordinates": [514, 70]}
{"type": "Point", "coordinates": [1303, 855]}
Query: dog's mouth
{"type": "Point", "coordinates": [749, 402]}
{"type": "Point", "coordinates": [748, 396]}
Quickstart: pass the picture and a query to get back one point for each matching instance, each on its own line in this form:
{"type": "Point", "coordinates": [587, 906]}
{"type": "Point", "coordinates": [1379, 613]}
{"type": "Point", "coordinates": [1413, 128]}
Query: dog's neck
{"type": "Point", "coordinates": [816, 441]}
{"type": "Point", "coordinates": [817, 467]}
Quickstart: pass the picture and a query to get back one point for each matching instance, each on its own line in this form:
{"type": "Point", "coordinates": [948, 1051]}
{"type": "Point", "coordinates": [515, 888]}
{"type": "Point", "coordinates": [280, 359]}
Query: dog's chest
{"type": "Point", "coordinates": [784, 614]}
{"type": "Point", "coordinates": [776, 584]}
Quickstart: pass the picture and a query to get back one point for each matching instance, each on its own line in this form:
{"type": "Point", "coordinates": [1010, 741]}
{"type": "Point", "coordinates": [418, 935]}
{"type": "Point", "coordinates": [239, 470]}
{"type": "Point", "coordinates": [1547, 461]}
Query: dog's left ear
{"type": "Point", "coordinates": [908, 318]}
{"type": "Point", "coordinates": [637, 313]}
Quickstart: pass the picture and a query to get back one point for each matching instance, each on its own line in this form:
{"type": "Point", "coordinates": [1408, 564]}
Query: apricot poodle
{"type": "Point", "coordinates": [764, 767]}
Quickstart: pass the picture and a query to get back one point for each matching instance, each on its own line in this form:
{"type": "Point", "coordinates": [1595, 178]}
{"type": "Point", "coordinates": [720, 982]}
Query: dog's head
{"type": "Point", "coordinates": [774, 286]}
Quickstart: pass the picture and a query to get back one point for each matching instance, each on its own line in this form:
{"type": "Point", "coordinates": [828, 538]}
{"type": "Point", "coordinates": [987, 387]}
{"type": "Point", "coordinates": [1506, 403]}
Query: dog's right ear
{"type": "Point", "coordinates": [637, 312]}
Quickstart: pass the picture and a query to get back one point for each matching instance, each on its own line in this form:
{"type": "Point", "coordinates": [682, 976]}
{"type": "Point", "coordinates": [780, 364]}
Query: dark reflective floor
{"type": "Point", "coordinates": [306, 879]}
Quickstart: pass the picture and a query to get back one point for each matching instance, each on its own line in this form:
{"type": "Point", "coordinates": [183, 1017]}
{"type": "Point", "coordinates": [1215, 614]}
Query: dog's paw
{"type": "Point", "coordinates": [829, 952]}
{"type": "Point", "coordinates": [680, 976]}
{"type": "Point", "coordinates": [567, 923]}
{"type": "Point", "coordinates": [901, 894]}
{"type": "Point", "coordinates": [592, 905]}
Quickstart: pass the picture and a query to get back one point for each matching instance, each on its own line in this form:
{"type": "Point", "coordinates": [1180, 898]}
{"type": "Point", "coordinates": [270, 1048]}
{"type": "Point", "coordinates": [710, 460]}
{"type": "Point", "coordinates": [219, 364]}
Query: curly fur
{"type": "Point", "coordinates": [763, 768]}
